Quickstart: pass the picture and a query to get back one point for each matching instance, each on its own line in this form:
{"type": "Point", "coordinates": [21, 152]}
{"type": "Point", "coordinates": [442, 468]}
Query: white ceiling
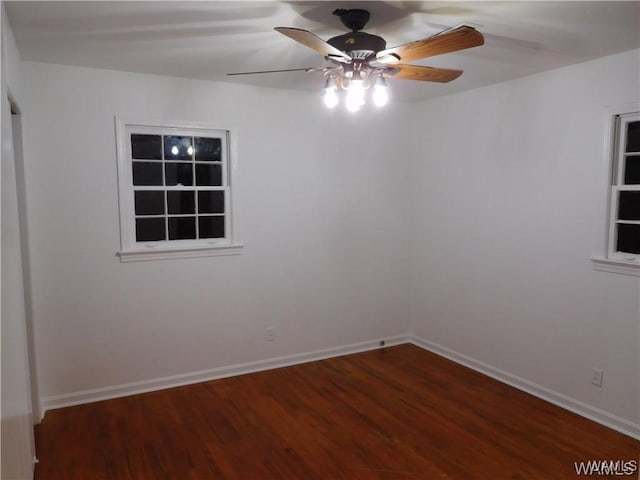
{"type": "Point", "coordinates": [208, 39]}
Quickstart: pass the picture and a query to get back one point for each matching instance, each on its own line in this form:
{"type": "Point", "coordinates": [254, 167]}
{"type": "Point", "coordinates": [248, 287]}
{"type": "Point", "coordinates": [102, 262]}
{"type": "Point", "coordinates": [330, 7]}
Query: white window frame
{"type": "Point", "coordinates": [130, 249]}
{"type": "Point", "coordinates": [612, 260]}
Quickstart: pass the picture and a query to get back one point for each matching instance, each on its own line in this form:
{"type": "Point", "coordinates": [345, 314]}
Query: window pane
{"type": "Point", "coordinates": [182, 228]}
{"type": "Point", "coordinates": [178, 148]}
{"type": "Point", "coordinates": [179, 173]}
{"type": "Point", "coordinates": [146, 147]}
{"type": "Point", "coordinates": [633, 137]}
{"type": "Point", "coordinates": [149, 203]}
{"type": "Point", "coordinates": [210, 202]}
{"type": "Point", "coordinates": [208, 149]}
{"type": "Point", "coordinates": [149, 229]}
{"type": "Point", "coordinates": [628, 238]}
{"type": "Point", "coordinates": [208, 174]}
{"type": "Point", "coordinates": [629, 206]}
{"type": "Point", "coordinates": [181, 202]}
{"type": "Point", "coordinates": [632, 171]}
{"type": "Point", "coordinates": [147, 173]}
{"type": "Point", "coordinates": [211, 227]}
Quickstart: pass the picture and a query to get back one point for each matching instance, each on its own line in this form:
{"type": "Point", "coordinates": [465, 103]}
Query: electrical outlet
{"type": "Point", "coordinates": [270, 334]}
{"type": "Point", "coordinates": [596, 376]}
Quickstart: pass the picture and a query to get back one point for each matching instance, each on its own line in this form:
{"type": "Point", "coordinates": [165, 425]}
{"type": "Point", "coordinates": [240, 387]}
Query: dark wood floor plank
{"type": "Point", "coordinates": [399, 413]}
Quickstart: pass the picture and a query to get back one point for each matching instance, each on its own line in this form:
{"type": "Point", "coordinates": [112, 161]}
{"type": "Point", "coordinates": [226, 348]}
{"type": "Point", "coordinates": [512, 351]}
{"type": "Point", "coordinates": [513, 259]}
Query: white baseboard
{"type": "Point", "coordinates": [583, 409]}
{"type": "Point", "coordinates": [133, 388]}
{"type": "Point", "coordinates": [87, 396]}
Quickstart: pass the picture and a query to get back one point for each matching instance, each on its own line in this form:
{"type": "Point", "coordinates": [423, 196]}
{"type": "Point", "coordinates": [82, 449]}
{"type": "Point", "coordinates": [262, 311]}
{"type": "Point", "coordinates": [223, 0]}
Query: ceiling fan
{"type": "Point", "coordinates": [360, 60]}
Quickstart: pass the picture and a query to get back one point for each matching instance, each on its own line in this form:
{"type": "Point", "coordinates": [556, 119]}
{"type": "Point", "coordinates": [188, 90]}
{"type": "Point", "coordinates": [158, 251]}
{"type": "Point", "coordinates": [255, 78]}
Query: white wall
{"type": "Point", "coordinates": [507, 207]}
{"type": "Point", "coordinates": [321, 212]}
{"type": "Point", "coordinates": [16, 417]}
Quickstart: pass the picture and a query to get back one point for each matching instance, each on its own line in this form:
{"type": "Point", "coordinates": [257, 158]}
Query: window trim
{"type": "Point", "coordinates": [130, 250]}
{"type": "Point", "coordinates": [610, 260]}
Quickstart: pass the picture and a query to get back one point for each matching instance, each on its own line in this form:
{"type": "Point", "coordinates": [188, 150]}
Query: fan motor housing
{"type": "Point", "coordinates": [354, 41]}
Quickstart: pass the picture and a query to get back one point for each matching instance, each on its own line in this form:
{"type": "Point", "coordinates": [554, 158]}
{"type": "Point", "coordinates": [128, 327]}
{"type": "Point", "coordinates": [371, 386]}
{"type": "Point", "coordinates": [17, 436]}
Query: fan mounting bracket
{"type": "Point", "coordinates": [354, 19]}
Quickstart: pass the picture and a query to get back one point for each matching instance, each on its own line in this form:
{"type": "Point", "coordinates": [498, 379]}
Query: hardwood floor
{"type": "Point", "coordinates": [396, 413]}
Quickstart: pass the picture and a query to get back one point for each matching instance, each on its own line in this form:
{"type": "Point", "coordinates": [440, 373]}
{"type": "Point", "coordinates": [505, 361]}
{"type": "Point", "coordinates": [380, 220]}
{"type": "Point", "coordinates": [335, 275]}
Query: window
{"type": "Point", "coordinates": [624, 230]}
{"type": "Point", "coordinates": [175, 192]}
{"type": "Point", "coordinates": [623, 236]}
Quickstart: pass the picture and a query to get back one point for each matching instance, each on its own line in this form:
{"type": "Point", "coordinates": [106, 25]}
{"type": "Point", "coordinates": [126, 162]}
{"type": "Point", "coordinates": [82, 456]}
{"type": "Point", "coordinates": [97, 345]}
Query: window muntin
{"type": "Point", "coordinates": [624, 230]}
{"type": "Point", "coordinates": [174, 188]}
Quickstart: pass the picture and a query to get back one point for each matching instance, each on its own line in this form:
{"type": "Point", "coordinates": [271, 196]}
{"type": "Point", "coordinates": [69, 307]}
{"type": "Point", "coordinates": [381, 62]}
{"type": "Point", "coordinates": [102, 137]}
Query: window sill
{"type": "Point", "coordinates": [166, 253]}
{"type": "Point", "coordinates": [623, 267]}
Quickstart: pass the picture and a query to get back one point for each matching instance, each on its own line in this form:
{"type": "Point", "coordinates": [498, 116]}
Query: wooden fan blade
{"type": "Point", "coordinates": [425, 74]}
{"type": "Point", "coordinates": [308, 69]}
{"type": "Point", "coordinates": [452, 41]}
{"type": "Point", "coordinates": [316, 43]}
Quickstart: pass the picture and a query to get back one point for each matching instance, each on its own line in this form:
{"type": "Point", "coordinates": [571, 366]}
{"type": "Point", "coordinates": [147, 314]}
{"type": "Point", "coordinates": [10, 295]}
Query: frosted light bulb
{"type": "Point", "coordinates": [330, 97]}
{"type": "Point", "coordinates": [355, 96]}
{"type": "Point", "coordinates": [174, 150]}
{"type": "Point", "coordinates": [380, 95]}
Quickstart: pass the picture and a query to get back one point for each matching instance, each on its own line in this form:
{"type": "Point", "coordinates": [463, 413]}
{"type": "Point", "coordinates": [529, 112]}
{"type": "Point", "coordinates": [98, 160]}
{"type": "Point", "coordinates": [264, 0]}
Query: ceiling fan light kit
{"type": "Point", "coordinates": [360, 61]}
{"type": "Point", "coordinates": [355, 84]}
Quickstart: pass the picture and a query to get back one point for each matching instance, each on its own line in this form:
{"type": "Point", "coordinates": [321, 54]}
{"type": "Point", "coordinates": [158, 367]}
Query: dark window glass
{"type": "Point", "coordinates": [149, 229]}
{"type": "Point", "coordinates": [149, 203]}
{"type": "Point", "coordinates": [629, 206]}
{"type": "Point", "coordinates": [628, 238]}
{"type": "Point", "coordinates": [210, 202]}
{"type": "Point", "coordinates": [208, 174]}
{"type": "Point", "coordinates": [179, 173]}
{"type": "Point", "coordinates": [178, 148]}
{"type": "Point", "coordinates": [633, 137]}
{"type": "Point", "coordinates": [208, 149]}
{"type": "Point", "coordinates": [146, 147]}
{"type": "Point", "coordinates": [182, 228]}
{"type": "Point", "coordinates": [632, 171]}
{"type": "Point", "coordinates": [181, 202]}
{"type": "Point", "coordinates": [147, 173]}
{"type": "Point", "coordinates": [211, 227]}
